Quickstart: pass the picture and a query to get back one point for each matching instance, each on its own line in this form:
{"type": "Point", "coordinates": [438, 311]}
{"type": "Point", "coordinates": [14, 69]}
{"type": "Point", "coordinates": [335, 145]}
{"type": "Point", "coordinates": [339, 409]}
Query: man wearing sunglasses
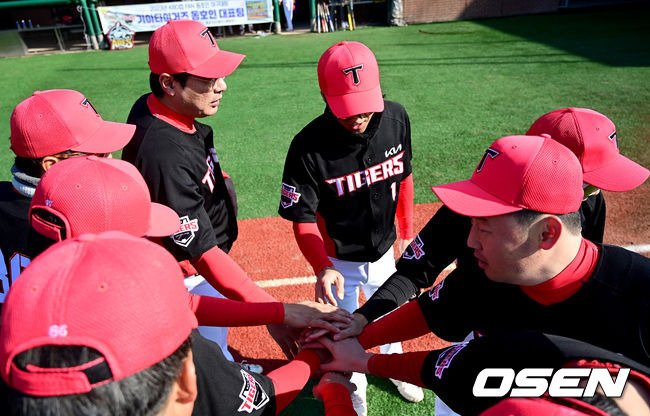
{"type": "Point", "coordinates": [176, 156]}
{"type": "Point", "coordinates": [46, 128]}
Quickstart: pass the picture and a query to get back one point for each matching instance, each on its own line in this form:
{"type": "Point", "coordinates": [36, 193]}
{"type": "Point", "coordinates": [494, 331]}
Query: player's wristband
{"type": "Point", "coordinates": [406, 366]}
{"type": "Point", "coordinates": [211, 311]}
{"type": "Point", "coordinates": [337, 401]}
{"type": "Point", "coordinates": [392, 328]}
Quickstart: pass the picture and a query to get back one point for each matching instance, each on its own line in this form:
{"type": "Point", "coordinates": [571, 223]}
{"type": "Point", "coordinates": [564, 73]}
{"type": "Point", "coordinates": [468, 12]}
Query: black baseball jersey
{"type": "Point", "coordinates": [350, 180]}
{"type": "Point", "coordinates": [443, 240]}
{"type": "Point", "coordinates": [451, 372]}
{"type": "Point", "coordinates": [225, 388]}
{"type": "Point", "coordinates": [592, 215]}
{"type": "Point", "coordinates": [611, 310]}
{"type": "Point", "coordinates": [182, 171]}
{"type": "Point", "coordinates": [19, 242]}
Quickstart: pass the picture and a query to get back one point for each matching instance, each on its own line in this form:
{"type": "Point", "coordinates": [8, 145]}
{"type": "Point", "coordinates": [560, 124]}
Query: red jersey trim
{"type": "Point", "coordinates": [164, 113]}
{"type": "Point", "coordinates": [568, 281]}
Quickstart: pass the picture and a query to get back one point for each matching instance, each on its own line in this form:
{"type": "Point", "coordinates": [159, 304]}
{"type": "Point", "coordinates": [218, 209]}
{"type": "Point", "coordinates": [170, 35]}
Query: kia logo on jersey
{"type": "Point", "coordinates": [414, 250]}
{"type": "Point", "coordinates": [289, 195]}
{"type": "Point", "coordinates": [253, 395]}
{"type": "Point", "coordinates": [185, 233]}
{"type": "Point", "coordinates": [392, 151]}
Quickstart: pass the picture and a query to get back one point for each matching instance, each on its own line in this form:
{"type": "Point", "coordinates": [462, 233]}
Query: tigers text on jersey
{"type": "Point", "coordinates": [183, 172]}
{"type": "Point", "coordinates": [350, 180]}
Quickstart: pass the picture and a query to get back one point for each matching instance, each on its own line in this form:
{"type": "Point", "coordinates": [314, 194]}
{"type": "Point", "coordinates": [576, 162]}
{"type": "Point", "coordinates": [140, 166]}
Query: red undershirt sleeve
{"type": "Point", "coordinates": [337, 401]}
{"type": "Point", "coordinates": [228, 278]}
{"type": "Point", "coordinates": [289, 379]}
{"type": "Point", "coordinates": [404, 212]}
{"type": "Point", "coordinates": [406, 366]}
{"type": "Point", "coordinates": [404, 323]}
{"type": "Point", "coordinates": [211, 311]}
{"type": "Point", "coordinates": [310, 242]}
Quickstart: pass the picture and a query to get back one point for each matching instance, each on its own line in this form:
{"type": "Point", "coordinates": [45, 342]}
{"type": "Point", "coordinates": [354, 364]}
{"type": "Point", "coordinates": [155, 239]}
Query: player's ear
{"type": "Point", "coordinates": [549, 232]}
{"type": "Point", "coordinates": [184, 389]}
{"type": "Point", "coordinates": [47, 162]}
{"type": "Point", "coordinates": [167, 83]}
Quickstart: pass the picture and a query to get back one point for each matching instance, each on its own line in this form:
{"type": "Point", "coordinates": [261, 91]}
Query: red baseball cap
{"type": "Point", "coordinates": [92, 195]}
{"type": "Point", "coordinates": [120, 295]}
{"type": "Point", "coordinates": [188, 46]}
{"type": "Point", "coordinates": [515, 173]}
{"type": "Point", "coordinates": [592, 137]}
{"type": "Point", "coordinates": [348, 76]}
{"type": "Point", "coordinates": [53, 121]}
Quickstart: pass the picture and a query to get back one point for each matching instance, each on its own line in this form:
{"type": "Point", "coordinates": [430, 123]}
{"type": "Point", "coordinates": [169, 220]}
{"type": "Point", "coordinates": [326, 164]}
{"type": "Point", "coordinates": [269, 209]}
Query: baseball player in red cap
{"type": "Point", "coordinates": [46, 128]}
{"type": "Point", "coordinates": [74, 342]}
{"type": "Point", "coordinates": [532, 269]}
{"type": "Point", "coordinates": [346, 176]}
{"type": "Point", "coordinates": [177, 158]}
{"type": "Point", "coordinates": [100, 324]}
{"type": "Point", "coordinates": [592, 138]}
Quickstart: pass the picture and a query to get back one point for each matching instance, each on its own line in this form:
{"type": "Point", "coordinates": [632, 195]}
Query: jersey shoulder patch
{"type": "Point", "coordinates": [253, 395]}
{"type": "Point", "coordinates": [289, 196]}
{"type": "Point", "coordinates": [415, 250]}
{"type": "Point", "coordinates": [186, 231]}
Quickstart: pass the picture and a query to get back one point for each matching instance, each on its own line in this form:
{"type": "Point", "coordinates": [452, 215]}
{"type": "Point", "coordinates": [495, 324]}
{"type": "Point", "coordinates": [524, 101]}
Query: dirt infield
{"type": "Point", "coordinates": [266, 250]}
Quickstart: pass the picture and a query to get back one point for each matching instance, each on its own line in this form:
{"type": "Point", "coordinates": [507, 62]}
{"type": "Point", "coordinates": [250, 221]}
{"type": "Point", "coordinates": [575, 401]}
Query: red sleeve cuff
{"type": "Point", "coordinates": [337, 401]}
{"type": "Point", "coordinates": [228, 278]}
{"type": "Point", "coordinates": [391, 327]}
{"type": "Point", "coordinates": [211, 311]}
{"type": "Point", "coordinates": [289, 379]}
{"type": "Point", "coordinates": [405, 208]}
{"type": "Point", "coordinates": [406, 367]}
{"type": "Point", "coordinates": [310, 242]}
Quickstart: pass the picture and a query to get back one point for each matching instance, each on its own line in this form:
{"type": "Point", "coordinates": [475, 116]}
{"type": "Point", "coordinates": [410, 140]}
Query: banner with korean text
{"type": "Point", "coordinates": [149, 17]}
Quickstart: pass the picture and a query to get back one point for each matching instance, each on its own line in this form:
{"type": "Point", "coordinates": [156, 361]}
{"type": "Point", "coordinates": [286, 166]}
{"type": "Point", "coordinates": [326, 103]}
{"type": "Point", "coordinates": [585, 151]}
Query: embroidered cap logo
{"type": "Point", "coordinates": [355, 73]}
{"type": "Point", "coordinates": [208, 34]}
{"type": "Point", "coordinates": [489, 152]}
{"type": "Point", "coordinates": [87, 104]}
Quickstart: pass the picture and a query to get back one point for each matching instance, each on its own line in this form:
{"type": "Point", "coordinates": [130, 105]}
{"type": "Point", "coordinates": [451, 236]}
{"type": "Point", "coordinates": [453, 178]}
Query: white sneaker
{"type": "Point", "coordinates": [251, 367]}
{"type": "Point", "coordinates": [358, 396]}
{"type": "Point", "coordinates": [410, 392]}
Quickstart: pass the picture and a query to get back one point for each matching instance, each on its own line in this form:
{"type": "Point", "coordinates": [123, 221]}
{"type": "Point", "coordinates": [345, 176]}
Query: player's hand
{"type": "Point", "coordinates": [332, 377]}
{"type": "Point", "coordinates": [326, 278]}
{"type": "Point", "coordinates": [402, 244]}
{"type": "Point", "coordinates": [347, 355]}
{"type": "Point", "coordinates": [286, 338]}
{"type": "Point", "coordinates": [315, 315]}
{"type": "Point", "coordinates": [353, 329]}
{"type": "Point", "coordinates": [309, 335]}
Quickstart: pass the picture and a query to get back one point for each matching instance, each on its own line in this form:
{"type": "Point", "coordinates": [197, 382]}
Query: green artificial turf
{"type": "Point", "coordinates": [464, 84]}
